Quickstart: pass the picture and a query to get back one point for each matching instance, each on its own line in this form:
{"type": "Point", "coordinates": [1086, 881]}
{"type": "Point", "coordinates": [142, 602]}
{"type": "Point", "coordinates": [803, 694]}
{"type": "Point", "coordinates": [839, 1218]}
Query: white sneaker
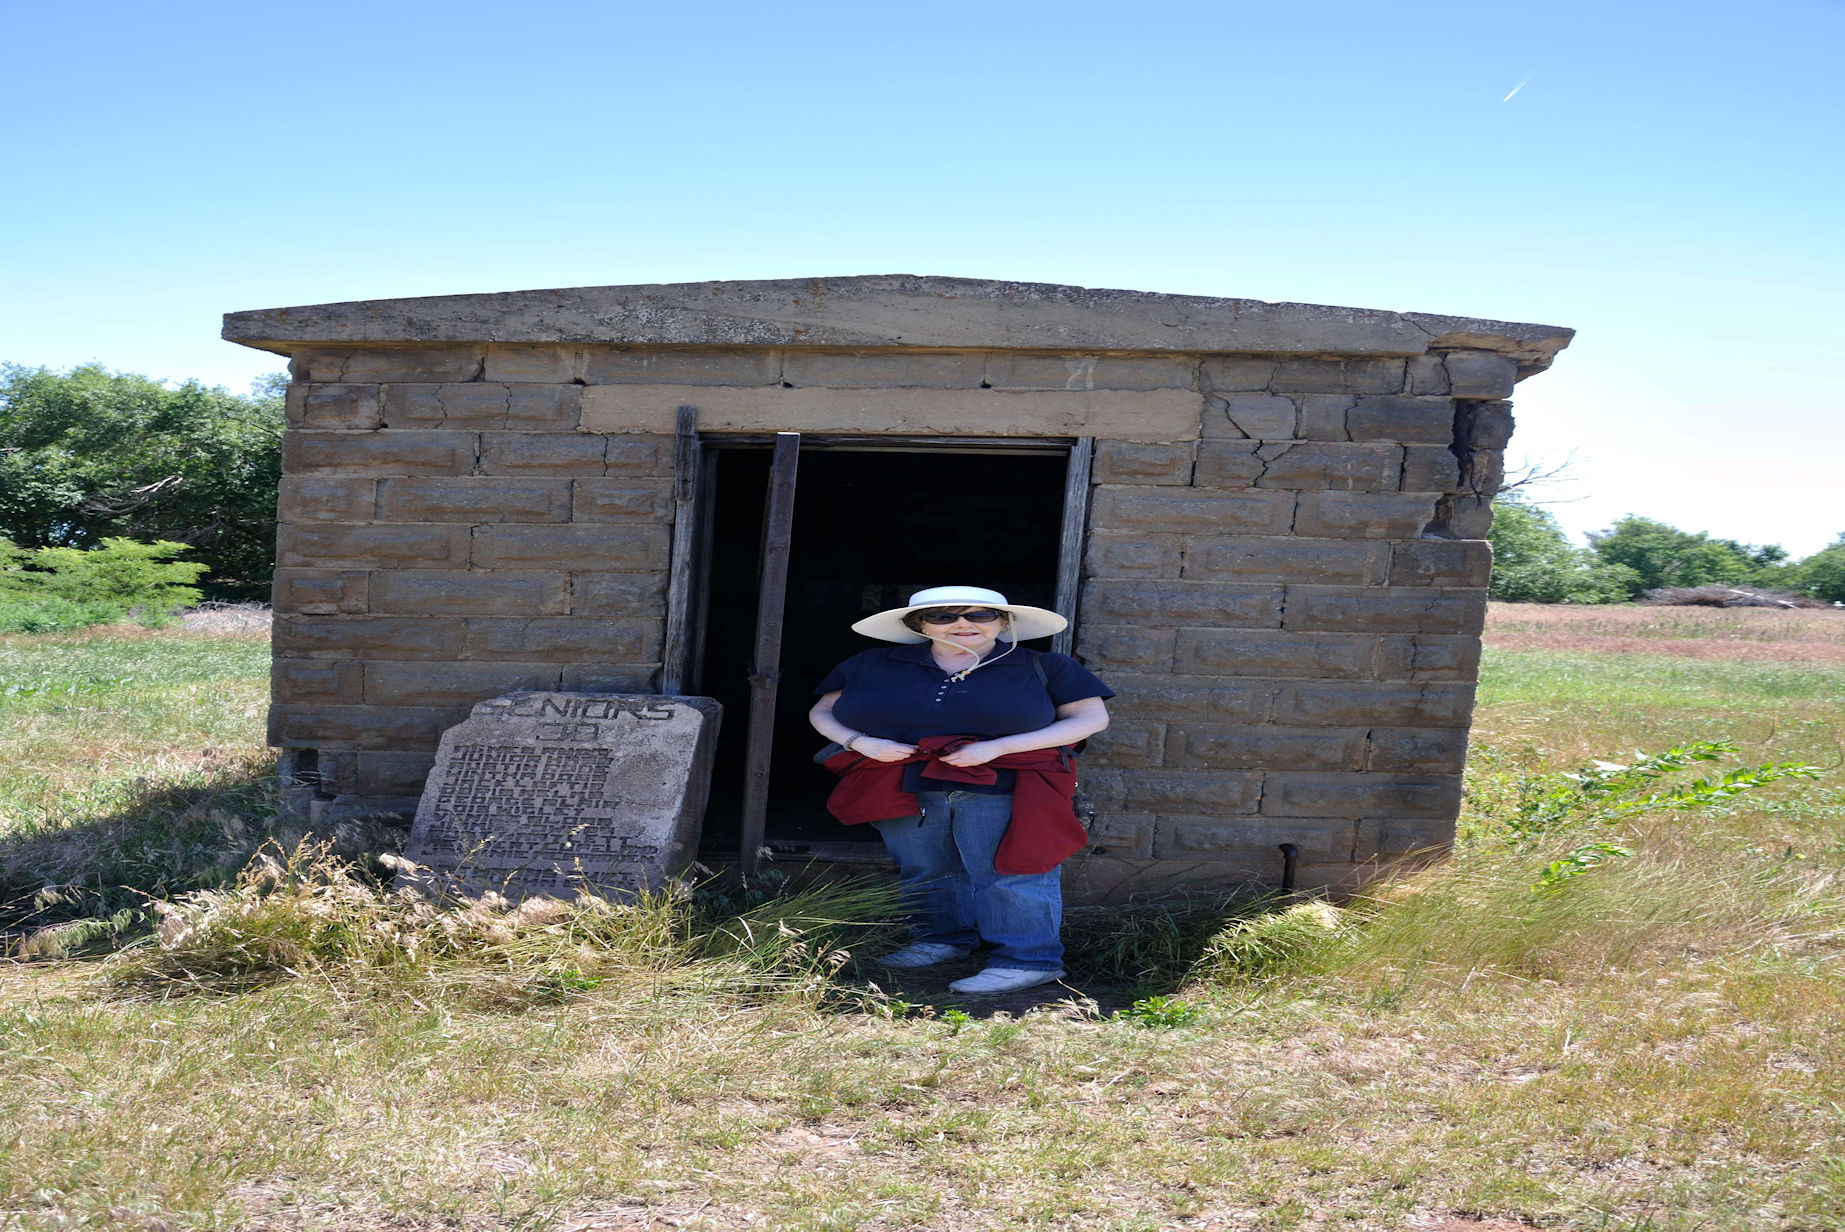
{"type": "Point", "coordinates": [1004, 979]}
{"type": "Point", "coordinates": [924, 954]}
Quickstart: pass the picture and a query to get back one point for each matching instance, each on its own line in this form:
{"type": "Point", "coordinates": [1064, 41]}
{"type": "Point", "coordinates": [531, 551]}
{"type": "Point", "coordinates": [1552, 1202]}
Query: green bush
{"type": "Point", "coordinates": [50, 590]}
{"type": "Point", "coordinates": [47, 614]}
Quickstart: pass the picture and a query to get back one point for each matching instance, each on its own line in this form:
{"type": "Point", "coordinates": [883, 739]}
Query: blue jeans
{"type": "Point", "coordinates": [954, 896]}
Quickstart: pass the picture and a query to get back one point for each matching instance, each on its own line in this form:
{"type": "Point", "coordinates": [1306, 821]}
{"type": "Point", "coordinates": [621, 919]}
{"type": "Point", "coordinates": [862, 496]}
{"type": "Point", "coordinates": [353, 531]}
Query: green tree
{"type": "Point", "coordinates": [1535, 562]}
{"type": "Point", "coordinates": [1822, 575]}
{"type": "Point", "coordinates": [1662, 555]}
{"type": "Point", "coordinates": [91, 454]}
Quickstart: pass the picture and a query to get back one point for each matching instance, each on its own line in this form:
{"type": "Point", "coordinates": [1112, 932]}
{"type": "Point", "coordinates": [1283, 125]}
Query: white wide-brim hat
{"type": "Point", "coordinates": [1027, 622]}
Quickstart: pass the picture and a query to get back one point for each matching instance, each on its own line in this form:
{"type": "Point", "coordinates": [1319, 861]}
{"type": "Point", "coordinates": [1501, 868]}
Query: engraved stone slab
{"type": "Point", "coordinates": [548, 793]}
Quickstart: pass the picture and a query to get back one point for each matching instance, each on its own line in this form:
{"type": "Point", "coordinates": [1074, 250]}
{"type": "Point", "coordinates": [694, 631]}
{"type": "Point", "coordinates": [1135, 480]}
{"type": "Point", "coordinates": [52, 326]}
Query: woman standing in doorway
{"type": "Point", "coordinates": [956, 745]}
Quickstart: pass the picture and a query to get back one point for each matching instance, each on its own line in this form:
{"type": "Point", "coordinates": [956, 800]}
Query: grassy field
{"type": "Point", "coordinates": [1654, 1043]}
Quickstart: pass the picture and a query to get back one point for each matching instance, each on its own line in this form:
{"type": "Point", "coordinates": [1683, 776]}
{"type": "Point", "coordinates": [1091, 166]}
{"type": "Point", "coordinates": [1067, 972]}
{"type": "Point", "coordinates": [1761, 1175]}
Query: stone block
{"type": "Point", "coordinates": [391, 774]}
{"type": "Point", "coordinates": [1127, 742]}
{"type": "Point", "coordinates": [341, 637]}
{"type": "Point", "coordinates": [1483, 471]}
{"type": "Point", "coordinates": [452, 684]}
{"type": "Point", "coordinates": [1417, 750]}
{"type": "Point", "coordinates": [382, 364]}
{"type": "Point", "coordinates": [569, 639]}
{"type": "Point", "coordinates": [1364, 515]}
{"type": "Point", "coordinates": [1121, 834]}
{"type": "Point", "coordinates": [1441, 562]}
{"type": "Point", "coordinates": [1337, 376]}
{"type": "Point", "coordinates": [1481, 374]}
{"type": "Point", "coordinates": [542, 453]}
{"type": "Point", "coordinates": [1156, 604]}
{"type": "Point", "coordinates": [621, 546]}
{"type": "Point", "coordinates": [1244, 746]}
{"type": "Point", "coordinates": [331, 545]}
{"type": "Point", "coordinates": [1283, 558]}
{"type": "Point", "coordinates": [316, 682]}
{"type": "Point", "coordinates": [445, 592]}
{"type": "Point", "coordinates": [612, 678]}
{"type": "Point", "coordinates": [1322, 417]}
{"type": "Point", "coordinates": [473, 500]}
{"type": "Point", "coordinates": [639, 453]}
{"type": "Point", "coordinates": [472, 406]}
{"type": "Point", "coordinates": [1138, 462]}
{"type": "Point", "coordinates": [1097, 880]}
{"type": "Point", "coordinates": [1396, 838]}
{"type": "Point", "coordinates": [1427, 377]}
{"type": "Point", "coordinates": [1427, 421]}
{"type": "Point", "coordinates": [1373, 609]}
{"type": "Point", "coordinates": [1430, 656]}
{"type": "Point", "coordinates": [1486, 425]}
{"type": "Point", "coordinates": [1358, 795]}
{"type": "Point", "coordinates": [1176, 509]}
{"type": "Point", "coordinates": [1104, 649]}
{"type": "Point", "coordinates": [398, 729]}
{"type": "Point", "coordinates": [804, 368]}
{"type": "Point", "coordinates": [1105, 414]}
{"type": "Point", "coordinates": [1368, 704]}
{"type": "Point", "coordinates": [1228, 464]}
{"type": "Point", "coordinates": [1196, 697]}
{"type": "Point", "coordinates": [325, 498]}
{"type": "Point", "coordinates": [1133, 555]}
{"type": "Point", "coordinates": [618, 594]}
{"type": "Point", "coordinates": [1464, 516]}
{"type": "Point", "coordinates": [1010, 370]}
{"type": "Point", "coordinates": [1218, 792]}
{"type": "Point", "coordinates": [387, 452]}
{"type": "Point", "coordinates": [1314, 465]}
{"type": "Point", "coordinates": [682, 366]}
{"type": "Point", "coordinates": [319, 592]}
{"type": "Point", "coordinates": [1430, 468]}
{"type": "Point", "coordinates": [621, 499]}
{"type": "Point", "coordinates": [1273, 652]}
{"type": "Point", "coordinates": [352, 408]}
{"type": "Point", "coordinates": [530, 364]}
{"type": "Point", "coordinates": [1236, 373]}
{"type": "Point", "coordinates": [1256, 840]}
{"type": "Point", "coordinates": [1262, 417]}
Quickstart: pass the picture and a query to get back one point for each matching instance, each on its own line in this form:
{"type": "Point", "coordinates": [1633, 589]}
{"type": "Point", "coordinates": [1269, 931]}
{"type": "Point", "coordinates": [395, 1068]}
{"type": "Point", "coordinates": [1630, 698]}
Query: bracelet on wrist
{"type": "Point", "coordinates": [847, 743]}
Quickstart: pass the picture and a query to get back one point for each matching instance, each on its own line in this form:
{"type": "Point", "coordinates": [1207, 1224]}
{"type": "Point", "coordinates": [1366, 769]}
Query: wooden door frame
{"type": "Point", "coordinates": [688, 590]}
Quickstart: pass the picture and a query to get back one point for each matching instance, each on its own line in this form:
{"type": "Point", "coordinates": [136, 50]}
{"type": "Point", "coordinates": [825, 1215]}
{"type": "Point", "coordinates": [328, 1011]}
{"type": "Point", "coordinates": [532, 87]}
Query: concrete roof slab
{"type": "Point", "coordinates": [887, 310]}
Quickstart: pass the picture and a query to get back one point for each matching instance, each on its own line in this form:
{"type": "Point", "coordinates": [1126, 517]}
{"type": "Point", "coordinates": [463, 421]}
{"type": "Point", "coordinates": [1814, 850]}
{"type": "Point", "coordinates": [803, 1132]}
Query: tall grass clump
{"type": "Point", "coordinates": [1557, 874]}
{"type": "Point", "coordinates": [308, 914]}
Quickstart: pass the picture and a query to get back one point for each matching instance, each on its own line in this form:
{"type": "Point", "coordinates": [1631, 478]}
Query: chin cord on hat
{"type": "Point", "coordinates": [979, 662]}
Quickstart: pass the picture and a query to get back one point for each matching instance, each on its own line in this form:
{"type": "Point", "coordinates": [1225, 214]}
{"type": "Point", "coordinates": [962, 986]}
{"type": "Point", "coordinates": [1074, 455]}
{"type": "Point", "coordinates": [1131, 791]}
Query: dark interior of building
{"type": "Point", "coordinates": [870, 527]}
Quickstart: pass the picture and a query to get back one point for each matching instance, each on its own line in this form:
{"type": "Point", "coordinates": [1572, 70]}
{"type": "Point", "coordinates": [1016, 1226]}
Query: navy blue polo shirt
{"type": "Point", "coordinates": [898, 693]}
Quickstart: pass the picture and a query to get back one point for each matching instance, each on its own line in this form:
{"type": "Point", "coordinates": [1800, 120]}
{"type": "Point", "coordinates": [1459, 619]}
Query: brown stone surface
{"type": "Point", "coordinates": [1325, 609]}
{"type": "Point", "coordinates": [1274, 652]}
{"type": "Point", "coordinates": [1191, 509]}
{"type": "Point", "coordinates": [473, 500]}
{"type": "Point", "coordinates": [1283, 558]}
{"type": "Point", "coordinates": [394, 637]}
{"type": "Point", "coordinates": [1246, 746]}
{"type": "Point", "coordinates": [549, 793]}
{"type": "Point", "coordinates": [1168, 604]}
{"type": "Point", "coordinates": [619, 545]}
{"type": "Point", "coordinates": [386, 452]}
{"type": "Point", "coordinates": [320, 592]}
{"type": "Point", "coordinates": [1133, 554]}
{"type": "Point", "coordinates": [442, 592]}
{"type": "Point", "coordinates": [1364, 515]}
{"type": "Point", "coordinates": [350, 407]}
{"type": "Point", "coordinates": [337, 545]}
{"type": "Point", "coordinates": [1130, 462]}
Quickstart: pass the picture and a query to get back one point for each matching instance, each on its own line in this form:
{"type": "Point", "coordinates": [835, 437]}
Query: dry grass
{"type": "Point", "coordinates": [1759, 634]}
{"type": "Point", "coordinates": [1659, 1049]}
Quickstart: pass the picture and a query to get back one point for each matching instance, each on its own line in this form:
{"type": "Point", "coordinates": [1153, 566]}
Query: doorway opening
{"type": "Point", "coordinates": [871, 526]}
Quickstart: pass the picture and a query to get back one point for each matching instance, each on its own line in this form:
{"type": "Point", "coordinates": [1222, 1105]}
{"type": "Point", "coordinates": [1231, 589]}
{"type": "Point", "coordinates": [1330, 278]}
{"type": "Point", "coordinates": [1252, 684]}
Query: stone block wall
{"type": "Point", "coordinates": [1290, 606]}
{"type": "Point", "coordinates": [1284, 576]}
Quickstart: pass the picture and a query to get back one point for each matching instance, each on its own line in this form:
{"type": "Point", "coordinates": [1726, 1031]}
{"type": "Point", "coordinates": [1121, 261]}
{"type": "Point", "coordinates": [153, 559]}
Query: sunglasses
{"type": "Point", "coordinates": [979, 615]}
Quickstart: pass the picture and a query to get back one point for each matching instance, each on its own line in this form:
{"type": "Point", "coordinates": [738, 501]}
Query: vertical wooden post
{"type": "Point", "coordinates": [682, 574]}
{"type": "Point", "coordinates": [766, 668]}
{"type": "Point", "coordinates": [1070, 541]}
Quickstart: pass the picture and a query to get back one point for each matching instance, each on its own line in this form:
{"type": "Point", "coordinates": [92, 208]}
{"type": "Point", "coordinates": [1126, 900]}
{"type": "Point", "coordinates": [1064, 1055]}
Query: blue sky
{"type": "Point", "coordinates": [1668, 181]}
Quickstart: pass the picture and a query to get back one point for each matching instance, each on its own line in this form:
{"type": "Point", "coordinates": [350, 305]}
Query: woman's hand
{"type": "Point", "coordinates": [882, 750]}
{"type": "Point", "coordinates": [979, 753]}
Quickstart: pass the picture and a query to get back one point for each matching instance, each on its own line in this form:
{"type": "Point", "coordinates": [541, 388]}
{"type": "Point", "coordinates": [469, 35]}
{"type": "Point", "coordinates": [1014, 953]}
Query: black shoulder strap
{"type": "Point", "coordinates": [1037, 663]}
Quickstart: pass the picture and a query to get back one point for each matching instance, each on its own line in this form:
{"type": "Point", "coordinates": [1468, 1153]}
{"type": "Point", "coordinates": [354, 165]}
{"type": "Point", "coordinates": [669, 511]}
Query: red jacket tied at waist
{"type": "Point", "coordinates": [1043, 832]}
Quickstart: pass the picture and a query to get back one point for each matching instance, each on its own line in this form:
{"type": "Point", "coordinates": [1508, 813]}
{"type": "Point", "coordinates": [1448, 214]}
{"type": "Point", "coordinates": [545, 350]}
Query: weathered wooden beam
{"type": "Point", "coordinates": [1071, 540]}
{"type": "Point", "coordinates": [765, 671]}
{"type": "Point", "coordinates": [682, 572]}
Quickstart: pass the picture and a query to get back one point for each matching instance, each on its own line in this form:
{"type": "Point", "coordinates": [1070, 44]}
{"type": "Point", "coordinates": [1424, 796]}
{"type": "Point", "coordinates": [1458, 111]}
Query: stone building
{"type": "Point", "coordinates": [1266, 521]}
